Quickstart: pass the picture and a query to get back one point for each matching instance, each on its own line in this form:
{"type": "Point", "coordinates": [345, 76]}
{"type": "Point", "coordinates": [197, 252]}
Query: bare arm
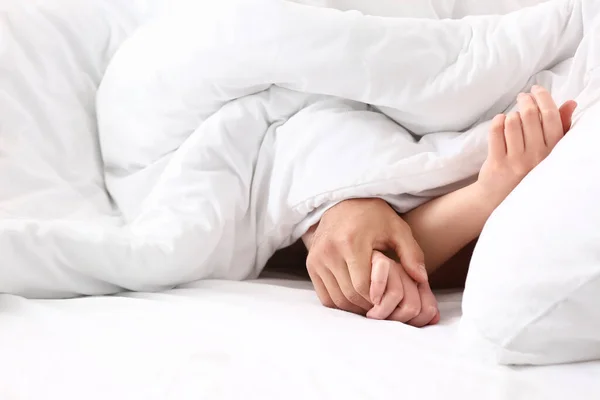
{"type": "Point", "coordinates": [446, 228]}
{"type": "Point", "coordinates": [441, 228]}
{"type": "Point", "coordinates": [517, 144]}
{"type": "Point", "coordinates": [445, 225]}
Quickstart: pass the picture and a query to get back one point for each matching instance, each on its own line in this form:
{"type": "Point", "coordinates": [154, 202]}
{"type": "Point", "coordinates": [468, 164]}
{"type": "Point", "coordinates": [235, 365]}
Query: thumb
{"type": "Point", "coordinates": [380, 270]}
{"type": "Point", "coordinates": [410, 254]}
{"type": "Point", "coordinates": [566, 114]}
{"type": "Point", "coordinates": [358, 261]}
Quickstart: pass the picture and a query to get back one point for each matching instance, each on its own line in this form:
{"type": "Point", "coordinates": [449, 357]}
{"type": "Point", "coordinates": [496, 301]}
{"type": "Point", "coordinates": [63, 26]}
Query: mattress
{"type": "Point", "coordinates": [264, 339]}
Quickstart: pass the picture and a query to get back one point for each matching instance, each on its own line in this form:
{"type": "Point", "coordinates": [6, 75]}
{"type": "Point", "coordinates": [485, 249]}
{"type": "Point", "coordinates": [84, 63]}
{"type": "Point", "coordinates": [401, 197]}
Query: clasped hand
{"type": "Point", "coordinates": [348, 267]}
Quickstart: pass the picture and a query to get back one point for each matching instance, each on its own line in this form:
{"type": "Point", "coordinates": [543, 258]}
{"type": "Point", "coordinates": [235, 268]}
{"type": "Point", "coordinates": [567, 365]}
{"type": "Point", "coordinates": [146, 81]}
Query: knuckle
{"type": "Point", "coordinates": [328, 303]}
{"type": "Point", "coordinates": [429, 312]}
{"type": "Point", "coordinates": [412, 311]}
{"type": "Point", "coordinates": [338, 303]}
{"type": "Point", "coordinates": [362, 287]}
{"type": "Point", "coordinates": [327, 247]}
{"type": "Point", "coordinates": [513, 119]}
{"type": "Point", "coordinates": [395, 294]}
{"type": "Point", "coordinates": [530, 112]}
{"type": "Point", "coordinates": [343, 304]}
{"type": "Point", "coordinates": [498, 120]}
{"type": "Point", "coordinates": [336, 268]}
{"type": "Point", "coordinates": [354, 297]}
{"type": "Point", "coordinates": [312, 262]}
{"type": "Point", "coordinates": [348, 239]}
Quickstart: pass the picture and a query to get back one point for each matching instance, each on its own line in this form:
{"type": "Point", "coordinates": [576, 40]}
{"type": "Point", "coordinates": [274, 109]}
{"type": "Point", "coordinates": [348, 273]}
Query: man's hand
{"type": "Point", "coordinates": [341, 250]}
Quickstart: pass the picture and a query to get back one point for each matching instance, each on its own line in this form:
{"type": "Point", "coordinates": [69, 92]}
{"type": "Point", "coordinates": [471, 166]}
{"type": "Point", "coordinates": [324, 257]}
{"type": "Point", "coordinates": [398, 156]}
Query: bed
{"type": "Point", "coordinates": [265, 339]}
{"type": "Point", "coordinates": [64, 236]}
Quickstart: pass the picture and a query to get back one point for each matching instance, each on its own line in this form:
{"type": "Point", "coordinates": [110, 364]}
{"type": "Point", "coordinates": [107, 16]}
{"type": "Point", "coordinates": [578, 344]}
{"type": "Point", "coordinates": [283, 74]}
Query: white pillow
{"type": "Point", "coordinates": [533, 290]}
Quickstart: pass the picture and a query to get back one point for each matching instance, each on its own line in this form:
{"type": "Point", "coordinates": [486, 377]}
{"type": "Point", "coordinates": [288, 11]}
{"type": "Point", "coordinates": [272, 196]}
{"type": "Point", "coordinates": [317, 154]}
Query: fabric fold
{"type": "Point", "coordinates": [227, 128]}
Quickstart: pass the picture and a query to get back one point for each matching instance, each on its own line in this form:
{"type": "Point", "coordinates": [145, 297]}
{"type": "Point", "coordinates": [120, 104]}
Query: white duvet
{"type": "Point", "coordinates": [225, 129]}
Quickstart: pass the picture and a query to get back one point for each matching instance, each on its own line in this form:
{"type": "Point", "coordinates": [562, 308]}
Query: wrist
{"type": "Point", "coordinates": [307, 238]}
{"type": "Point", "coordinates": [486, 198]}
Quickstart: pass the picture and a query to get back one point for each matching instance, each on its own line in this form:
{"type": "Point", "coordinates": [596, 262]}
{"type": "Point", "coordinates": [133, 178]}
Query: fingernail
{"type": "Point", "coordinates": [520, 95]}
{"type": "Point", "coordinates": [536, 88]}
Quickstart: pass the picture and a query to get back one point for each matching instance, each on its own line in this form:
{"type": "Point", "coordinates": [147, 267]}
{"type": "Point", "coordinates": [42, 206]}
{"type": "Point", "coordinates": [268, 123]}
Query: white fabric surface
{"type": "Point", "coordinates": [533, 292]}
{"type": "Point", "coordinates": [53, 55]}
{"type": "Point", "coordinates": [210, 166]}
{"type": "Point", "coordinates": [213, 168]}
{"type": "Point", "coordinates": [227, 130]}
{"type": "Point", "coordinates": [230, 340]}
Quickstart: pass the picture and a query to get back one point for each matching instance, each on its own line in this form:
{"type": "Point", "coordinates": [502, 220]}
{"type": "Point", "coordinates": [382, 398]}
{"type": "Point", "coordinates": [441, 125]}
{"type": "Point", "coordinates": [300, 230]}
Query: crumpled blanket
{"type": "Point", "coordinates": [227, 129]}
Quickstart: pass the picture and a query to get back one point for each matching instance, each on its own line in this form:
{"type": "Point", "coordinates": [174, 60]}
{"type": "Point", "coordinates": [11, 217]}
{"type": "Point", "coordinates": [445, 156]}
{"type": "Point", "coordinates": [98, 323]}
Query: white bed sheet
{"type": "Point", "coordinates": [268, 339]}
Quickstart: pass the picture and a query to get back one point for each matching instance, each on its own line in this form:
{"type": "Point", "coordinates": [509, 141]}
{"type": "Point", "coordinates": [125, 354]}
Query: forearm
{"type": "Point", "coordinates": [447, 224]}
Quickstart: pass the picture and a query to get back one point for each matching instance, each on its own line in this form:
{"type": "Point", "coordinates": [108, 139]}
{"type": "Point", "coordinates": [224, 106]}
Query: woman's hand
{"type": "Point", "coordinates": [398, 297]}
{"type": "Point", "coordinates": [521, 140]}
